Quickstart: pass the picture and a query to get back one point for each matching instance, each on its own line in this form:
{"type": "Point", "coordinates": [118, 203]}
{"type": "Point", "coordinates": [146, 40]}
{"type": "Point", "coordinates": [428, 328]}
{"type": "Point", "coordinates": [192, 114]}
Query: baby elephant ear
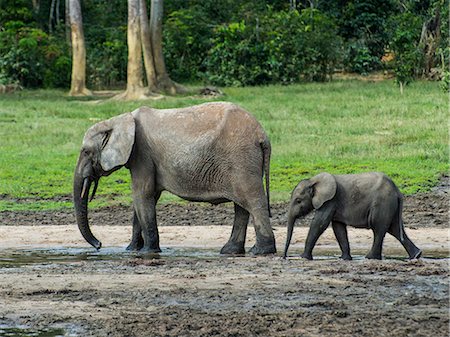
{"type": "Point", "coordinates": [324, 189]}
{"type": "Point", "coordinates": [117, 142]}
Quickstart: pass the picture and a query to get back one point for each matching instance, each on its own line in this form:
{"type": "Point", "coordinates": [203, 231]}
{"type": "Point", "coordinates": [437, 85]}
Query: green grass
{"type": "Point", "coordinates": [339, 127]}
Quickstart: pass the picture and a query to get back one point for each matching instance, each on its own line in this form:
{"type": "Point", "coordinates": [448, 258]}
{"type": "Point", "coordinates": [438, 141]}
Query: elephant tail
{"type": "Point", "coordinates": [267, 149]}
{"type": "Point", "coordinates": [400, 218]}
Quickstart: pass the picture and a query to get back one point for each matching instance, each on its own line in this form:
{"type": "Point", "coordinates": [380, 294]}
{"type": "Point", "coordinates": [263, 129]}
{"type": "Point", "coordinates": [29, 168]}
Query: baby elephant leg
{"type": "Point", "coordinates": [413, 251]}
{"type": "Point", "coordinates": [340, 231]}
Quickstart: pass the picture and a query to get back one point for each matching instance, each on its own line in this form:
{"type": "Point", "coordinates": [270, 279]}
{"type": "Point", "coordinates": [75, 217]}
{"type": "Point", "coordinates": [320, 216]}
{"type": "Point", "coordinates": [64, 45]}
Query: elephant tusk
{"type": "Point", "coordinates": [85, 187]}
{"type": "Point", "coordinates": [94, 190]}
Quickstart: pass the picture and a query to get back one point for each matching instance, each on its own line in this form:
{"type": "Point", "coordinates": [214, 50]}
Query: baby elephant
{"type": "Point", "coordinates": [367, 200]}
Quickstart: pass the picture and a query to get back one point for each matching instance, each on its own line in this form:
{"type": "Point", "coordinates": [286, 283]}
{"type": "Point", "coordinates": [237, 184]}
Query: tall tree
{"type": "Point", "coordinates": [146, 41]}
{"type": "Point", "coordinates": [147, 50]}
{"type": "Point", "coordinates": [162, 77]}
{"type": "Point", "coordinates": [78, 82]}
{"type": "Point", "coordinates": [135, 86]}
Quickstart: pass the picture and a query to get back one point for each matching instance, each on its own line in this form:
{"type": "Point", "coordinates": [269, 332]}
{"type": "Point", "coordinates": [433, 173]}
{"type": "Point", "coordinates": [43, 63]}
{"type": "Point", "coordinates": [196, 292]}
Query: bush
{"type": "Point", "coordinates": [107, 63]}
{"type": "Point", "coordinates": [359, 59]}
{"type": "Point", "coordinates": [187, 39]}
{"type": "Point", "coordinates": [406, 29]}
{"type": "Point", "coordinates": [280, 47]}
{"type": "Point", "coordinates": [362, 24]}
{"type": "Point", "coordinates": [32, 58]}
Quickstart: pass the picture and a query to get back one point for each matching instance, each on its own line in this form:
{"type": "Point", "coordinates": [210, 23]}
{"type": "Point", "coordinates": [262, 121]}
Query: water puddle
{"type": "Point", "coordinates": [21, 257]}
{"type": "Point", "coordinates": [21, 331]}
{"type": "Point", "coordinates": [325, 254]}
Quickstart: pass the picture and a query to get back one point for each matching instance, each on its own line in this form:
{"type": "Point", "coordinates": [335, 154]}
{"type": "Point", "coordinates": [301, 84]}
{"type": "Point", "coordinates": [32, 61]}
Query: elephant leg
{"type": "Point", "coordinates": [413, 251]}
{"type": "Point", "coordinates": [137, 241]}
{"type": "Point", "coordinates": [145, 207]}
{"type": "Point", "coordinates": [235, 244]}
{"type": "Point", "coordinates": [265, 240]}
{"type": "Point", "coordinates": [250, 194]}
{"type": "Point", "coordinates": [340, 231]}
{"type": "Point", "coordinates": [321, 220]}
{"type": "Point", "coordinates": [377, 245]}
{"type": "Point", "coordinates": [379, 219]}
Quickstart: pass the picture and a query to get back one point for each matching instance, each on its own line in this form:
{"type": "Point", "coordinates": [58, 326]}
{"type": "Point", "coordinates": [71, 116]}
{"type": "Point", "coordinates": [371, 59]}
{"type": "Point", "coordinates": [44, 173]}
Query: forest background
{"type": "Point", "coordinates": [231, 42]}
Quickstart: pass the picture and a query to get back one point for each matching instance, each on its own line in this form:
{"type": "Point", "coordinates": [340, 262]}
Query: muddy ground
{"type": "Point", "coordinates": [51, 279]}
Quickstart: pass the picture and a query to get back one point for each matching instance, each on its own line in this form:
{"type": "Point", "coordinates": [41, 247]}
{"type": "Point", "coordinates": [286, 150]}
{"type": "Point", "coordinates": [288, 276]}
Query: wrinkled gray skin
{"type": "Point", "coordinates": [367, 200]}
{"type": "Point", "coordinates": [213, 152]}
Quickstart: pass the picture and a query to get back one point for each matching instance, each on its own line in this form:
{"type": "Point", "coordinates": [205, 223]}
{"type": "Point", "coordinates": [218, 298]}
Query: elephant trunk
{"type": "Point", "coordinates": [81, 188]}
{"type": "Point", "coordinates": [290, 229]}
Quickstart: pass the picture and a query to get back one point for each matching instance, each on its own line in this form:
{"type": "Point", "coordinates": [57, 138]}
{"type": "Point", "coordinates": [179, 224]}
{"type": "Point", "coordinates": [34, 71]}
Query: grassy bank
{"type": "Point", "coordinates": [339, 127]}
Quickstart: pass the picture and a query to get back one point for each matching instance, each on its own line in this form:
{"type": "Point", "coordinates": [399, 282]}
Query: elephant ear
{"type": "Point", "coordinates": [325, 186]}
{"type": "Point", "coordinates": [117, 141]}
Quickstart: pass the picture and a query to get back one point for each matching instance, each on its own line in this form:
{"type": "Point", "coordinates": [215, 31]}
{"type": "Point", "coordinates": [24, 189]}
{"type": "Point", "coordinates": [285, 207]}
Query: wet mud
{"type": "Point", "coordinates": [52, 283]}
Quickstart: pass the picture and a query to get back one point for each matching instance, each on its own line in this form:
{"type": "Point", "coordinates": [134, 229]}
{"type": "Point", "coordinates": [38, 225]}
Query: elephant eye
{"type": "Point", "coordinates": [298, 200]}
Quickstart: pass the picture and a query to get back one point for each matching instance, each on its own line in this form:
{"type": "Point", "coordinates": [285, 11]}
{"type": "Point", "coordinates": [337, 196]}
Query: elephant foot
{"type": "Point", "coordinates": [371, 256]}
{"type": "Point", "coordinates": [346, 257]}
{"type": "Point", "coordinates": [306, 256]}
{"type": "Point", "coordinates": [264, 246]}
{"type": "Point", "coordinates": [134, 246]}
{"type": "Point", "coordinates": [266, 250]}
{"type": "Point", "coordinates": [415, 255]}
{"type": "Point", "coordinates": [233, 248]}
{"type": "Point", "coordinates": [150, 250]}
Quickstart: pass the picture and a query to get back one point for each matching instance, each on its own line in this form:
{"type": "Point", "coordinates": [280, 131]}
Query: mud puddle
{"type": "Point", "coordinates": [22, 331]}
{"type": "Point", "coordinates": [21, 257]}
{"type": "Point", "coordinates": [60, 255]}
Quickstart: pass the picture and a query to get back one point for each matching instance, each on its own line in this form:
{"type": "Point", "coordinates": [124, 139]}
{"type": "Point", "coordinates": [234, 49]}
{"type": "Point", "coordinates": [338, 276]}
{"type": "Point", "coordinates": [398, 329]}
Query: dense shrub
{"type": "Point", "coordinates": [363, 26]}
{"type": "Point", "coordinates": [406, 29]}
{"type": "Point", "coordinates": [359, 59]}
{"type": "Point", "coordinates": [31, 57]}
{"type": "Point", "coordinates": [187, 39]}
{"type": "Point", "coordinates": [281, 47]}
{"type": "Point", "coordinates": [107, 62]}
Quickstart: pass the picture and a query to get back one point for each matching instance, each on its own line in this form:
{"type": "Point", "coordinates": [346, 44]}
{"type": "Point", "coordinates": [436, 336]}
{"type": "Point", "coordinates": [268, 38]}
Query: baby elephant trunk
{"type": "Point", "coordinates": [290, 229]}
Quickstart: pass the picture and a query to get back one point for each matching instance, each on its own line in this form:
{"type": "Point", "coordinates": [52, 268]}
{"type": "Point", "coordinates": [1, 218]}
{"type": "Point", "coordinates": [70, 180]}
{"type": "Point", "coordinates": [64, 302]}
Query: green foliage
{"type": "Point", "coordinates": [280, 47]}
{"type": "Point", "coordinates": [339, 127]}
{"type": "Point", "coordinates": [236, 42]}
{"type": "Point", "coordinates": [362, 24]}
{"type": "Point", "coordinates": [359, 59]}
{"type": "Point", "coordinates": [406, 28]}
{"type": "Point", "coordinates": [32, 58]}
{"type": "Point", "coordinates": [107, 63]}
{"type": "Point", "coordinates": [187, 36]}
{"type": "Point", "coordinates": [445, 81]}
{"type": "Point", "coordinates": [105, 30]}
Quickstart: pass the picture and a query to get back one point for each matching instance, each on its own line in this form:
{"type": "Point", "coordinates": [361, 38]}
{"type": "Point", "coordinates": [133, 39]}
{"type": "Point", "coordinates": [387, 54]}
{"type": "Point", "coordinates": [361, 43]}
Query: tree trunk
{"type": "Point", "coordinates": [135, 86]}
{"type": "Point", "coordinates": [36, 5]}
{"type": "Point", "coordinates": [162, 77]}
{"type": "Point", "coordinates": [146, 41]}
{"type": "Point", "coordinates": [67, 23]}
{"type": "Point", "coordinates": [78, 83]}
{"type": "Point", "coordinates": [57, 13]}
{"type": "Point", "coordinates": [50, 16]}
{"type": "Point", "coordinates": [147, 47]}
{"type": "Point", "coordinates": [134, 68]}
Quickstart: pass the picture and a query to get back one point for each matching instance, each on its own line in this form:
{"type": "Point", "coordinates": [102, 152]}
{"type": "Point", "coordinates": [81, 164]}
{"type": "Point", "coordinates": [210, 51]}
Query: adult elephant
{"type": "Point", "coordinates": [213, 152]}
